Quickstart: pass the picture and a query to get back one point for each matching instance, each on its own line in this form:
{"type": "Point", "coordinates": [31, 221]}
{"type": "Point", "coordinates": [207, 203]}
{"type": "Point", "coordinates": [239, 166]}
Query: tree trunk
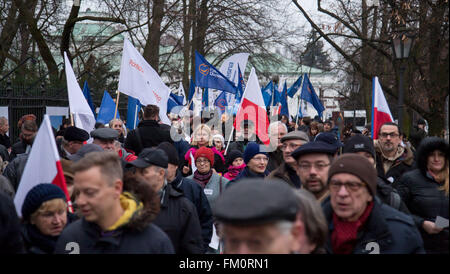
{"type": "Point", "coordinates": [67, 30]}
{"type": "Point", "coordinates": [366, 86]}
{"type": "Point", "coordinates": [193, 16]}
{"type": "Point", "coordinates": [7, 35]}
{"type": "Point", "coordinates": [151, 49]}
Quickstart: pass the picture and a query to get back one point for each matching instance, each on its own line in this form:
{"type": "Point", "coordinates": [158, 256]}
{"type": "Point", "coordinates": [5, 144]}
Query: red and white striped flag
{"type": "Point", "coordinates": [380, 108]}
{"type": "Point", "coordinates": [253, 108]}
{"type": "Point", "coordinates": [43, 166]}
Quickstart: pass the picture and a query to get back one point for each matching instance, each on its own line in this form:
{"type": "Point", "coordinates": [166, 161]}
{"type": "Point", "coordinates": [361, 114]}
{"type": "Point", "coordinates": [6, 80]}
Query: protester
{"type": "Point", "coordinates": [418, 133]}
{"type": "Point", "coordinates": [313, 225]}
{"type": "Point", "coordinates": [117, 124]}
{"type": "Point", "coordinates": [313, 162]}
{"type": "Point", "coordinates": [367, 131]}
{"type": "Point", "coordinates": [331, 139]}
{"type": "Point", "coordinates": [276, 131]}
{"type": "Point", "coordinates": [105, 137]}
{"type": "Point", "coordinates": [6, 187]}
{"type": "Point", "coordinates": [219, 143]}
{"type": "Point", "coordinates": [191, 190]}
{"type": "Point", "coordinates": [247, 134]}
{"type": "Point", "coordinates": [149, 133]}
{"type": "Point", "coordinates": [11, 241]}
{"type": "Point", "coordinates": [44, 213]}
{"type": "Point", "coordinates": [113, 221]}
{"type": "Point", "coordinates": [178, 216]}
{"type": "Point", "coordinates": [392, 158]}
{"type": "Point", "coordinates": [4, 129]}
{"type": "Point", "coordinates": [256, 163]}
{"type": "Point", "coordinates": [328, 125]}
{"type": "Point", "coordinates": [124, 155]}
{"type": "Point", "coordinates": [235, 164]}
{"type": "Point", "coordinates": [363, 146]}
{"type": "Point", "coordinates": [28, 131]}
{"type": "Point", "coordinates": [313, 130]}
{"type": "Point", "coordinates": [71, 142]}
{"type": "Point", "coordinates": [257, 217]}
{"type": "Point", "coordinates": [357, 221]}
{"type": "Point", "coordinates": [287, 171]}
{"type": "Point", "coordinates": [14, 170]}
{"type": "Point", "coordinates": [425, 192]}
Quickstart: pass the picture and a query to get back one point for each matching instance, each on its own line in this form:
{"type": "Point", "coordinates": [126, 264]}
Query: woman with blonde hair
{"type": "Point", "coordinates": [425, 192]}
{"type": "Point", "coordinates": [202, 137]}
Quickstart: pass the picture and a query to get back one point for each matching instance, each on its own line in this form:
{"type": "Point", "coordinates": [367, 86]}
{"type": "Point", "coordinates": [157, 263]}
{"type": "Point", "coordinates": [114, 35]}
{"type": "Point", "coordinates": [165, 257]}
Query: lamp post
{"type": "Point", "coordinates": [401, 46]}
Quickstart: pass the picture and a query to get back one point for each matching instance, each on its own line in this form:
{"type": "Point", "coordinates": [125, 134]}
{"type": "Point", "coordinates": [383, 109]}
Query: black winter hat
{"type": "Point", "coordinates": [76, 134]}
{"type": "Point", "coordinates": [233, 155]}
{"type": "Point", "coordinates": [359, 143]}
{"type": "Point", "coordinates": [171, 152]}
{"type": "Point", "coordinates": [427, 146]}
{"type": "Point", "coordinates": [38, 195]}
{"type": "Point", "coordinates": [149, 157]}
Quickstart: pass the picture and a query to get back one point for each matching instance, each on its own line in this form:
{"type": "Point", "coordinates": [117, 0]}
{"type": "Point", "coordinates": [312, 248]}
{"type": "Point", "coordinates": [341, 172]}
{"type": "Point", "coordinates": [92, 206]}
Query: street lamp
{"type": "Point", "coordinates": [401, 46]}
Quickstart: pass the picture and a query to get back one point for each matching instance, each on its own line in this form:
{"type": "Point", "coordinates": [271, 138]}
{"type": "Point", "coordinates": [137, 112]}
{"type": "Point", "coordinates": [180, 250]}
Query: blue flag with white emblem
{"type": "Point", "coordinates": [267, 93]}
{"type": "Point", "coordinates": [294, 88]}
{"type": "Point", "coordinates": [207, 76]}
{"type": "Point", "coordinates": [283, 101]}
{"type": "Point", "coordinates": [309, 95]}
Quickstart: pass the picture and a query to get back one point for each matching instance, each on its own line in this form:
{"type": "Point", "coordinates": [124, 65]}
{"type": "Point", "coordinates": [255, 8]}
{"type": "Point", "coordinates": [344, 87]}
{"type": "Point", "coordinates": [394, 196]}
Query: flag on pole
{"type": "Point", "coordinates": [267, 93]}
{"type": "Point", "coordinates": [87, 95]}
{"type": "Point", "coordinates": [276, 96]}
{"type": "Point", "coordinates": [240, 87]}
{"type": "Point", "coordinates": [182, 93]}
{"type": "Point", "coordinates": [283, 100]}
{"type": "Point", "coordinates": [79, 107]}
{"type": "Point", "coordinates": [174, 101]}
{"type": "Point", "coordinates": [253, 108]}
{"type": "Point", "coordinates": [139, 80]}
{"type": "Point", "coordinates": [107, 109]}
{"type": "Point", "coordinates": [205, 98]}
{"type": "Point", "coordinates": [294, 88]}
{"type": "Point", "coordinates": [207, 76]}
{"type": "Point", "coordinates": [43, 165]}
{"type": "Point", "coordinates": [232, 64]}
{"type": "Point", "coordinates": [380, 108]}
{"type": "Point", "coordinates": [221, 102]}
{"type": "Point", "coordinates": [309, 95]}
{"type": "Point", "coordinates": [191, 94]}
{"type": "Point", "coordinates": [134, 106]}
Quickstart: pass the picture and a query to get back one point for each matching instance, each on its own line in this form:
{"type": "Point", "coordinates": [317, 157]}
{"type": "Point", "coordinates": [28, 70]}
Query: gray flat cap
{"type": "Point", "coordinates": [83, 151]}
{"type": "Point", "coordinates": [295, 135]}
{"type": "Point", "coordinates": [256, 202]}
{"type": "Point", "coordinates": [105, 134]}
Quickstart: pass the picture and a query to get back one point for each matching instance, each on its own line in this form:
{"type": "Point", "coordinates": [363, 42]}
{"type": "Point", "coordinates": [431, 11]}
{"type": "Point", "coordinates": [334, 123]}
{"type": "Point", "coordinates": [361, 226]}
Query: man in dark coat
{"type": "Point", "coordinates": [178, 216]}
{"type": "Point", "coordinates": [149, 132]}
{"type": "Point", "coordinates": [4, 128]}
{"type": "Point", "coordinates": [191, 190]}
{"type": "Point", "coordinates": [276, 131]}
{"type": "Point", "coordinates": [10, 239]}
{"type": "Point", "coordinates": [73, 140]}
{"type": "Point", "coordinates": [28, 131]}
{"type": "Point", "coordinates": [248, 135]}
{"type": "Point", "coordinates": [14, 170]}
{"type": "Point", "coordinates": [358, 222]}
{"type": "Point", "coordinates": [113, 221]}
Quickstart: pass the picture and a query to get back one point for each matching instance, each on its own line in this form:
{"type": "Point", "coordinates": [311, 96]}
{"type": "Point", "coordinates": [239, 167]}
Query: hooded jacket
{"type": "Point", "coordinates": [421, 194]}
{"type": "Point", "coordinates": [132, 234]}
{"type": "Point", "coordinates": [403, 162]}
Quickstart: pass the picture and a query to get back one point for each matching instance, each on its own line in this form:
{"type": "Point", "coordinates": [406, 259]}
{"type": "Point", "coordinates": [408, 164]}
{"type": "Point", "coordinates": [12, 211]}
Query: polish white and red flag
{"type": "Point", "coordinates": [43, 166]}
{"type": "Point", "coordinates": [380, 108]}
{"type": "Point", "coordinates": [253, 108]}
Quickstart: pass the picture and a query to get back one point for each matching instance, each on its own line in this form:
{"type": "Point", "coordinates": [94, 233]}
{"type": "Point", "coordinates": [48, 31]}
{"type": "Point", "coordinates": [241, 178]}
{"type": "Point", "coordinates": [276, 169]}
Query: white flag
{"type": "Point", "coordinates": [79, 107]}
{"type": "Point", "coordinates": [43, 165]}
{"type": "Point", "coordinates": [229, 67]}
{"type": "Point", "coordinates": [139, 80]}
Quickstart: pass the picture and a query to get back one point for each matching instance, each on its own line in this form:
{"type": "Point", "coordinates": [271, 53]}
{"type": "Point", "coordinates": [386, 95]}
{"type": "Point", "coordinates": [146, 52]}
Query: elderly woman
{"type": "Point", "coordinates": [212, 183]}
{"type": "Point", "coordinates": [44, 214]}
{"type": "Point", "coordinates": [202, 137]}
{"type": "Point", "coordinates": [425, 192]}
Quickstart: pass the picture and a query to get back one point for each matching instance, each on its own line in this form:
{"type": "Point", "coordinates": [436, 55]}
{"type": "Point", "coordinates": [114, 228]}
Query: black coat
{"type": "Point", "coordinates": [10, 239]}
{"type": "Point", "coordinates": [5, 140]}
{"type": "Point", "coordinates": [247, 173]}
{"type": "Point", "coordinates": [425, 201]}
{"type": "Point", "coordinates": [4, 153]}
{"type": "Point", "coordinates": [14, 170]}
{"type": "Point", "coordinates": [178, 218]}
{"type": "Point", "coordinates": [125, 240]}
{"type": "Point", "coordinates": [18, 148]}
{"type": "Point", "coordinates": [393, 231]}
{"type": "Point", "coordinates": [152, 134]}
{"type": "Point", "coordinates": [194, 192]}
{"type": "Point", "coordinates": [401, 165]}
{"type": "Point", "coordinates": [275, 160]}
{"type": "Point", "coordinates": [390, 196]}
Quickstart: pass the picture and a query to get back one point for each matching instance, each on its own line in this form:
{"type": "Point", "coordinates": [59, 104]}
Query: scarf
{"type": "Point", "coordinates": [233, 171]}
{"type": "Point", "coordinates": [38, 240]}
{"type": "Point", "coordinates": [130, 206]}
{"type": "Point", "coordinates": [344, 235]}
{"type": "Point", "coordinates": [202, 179]}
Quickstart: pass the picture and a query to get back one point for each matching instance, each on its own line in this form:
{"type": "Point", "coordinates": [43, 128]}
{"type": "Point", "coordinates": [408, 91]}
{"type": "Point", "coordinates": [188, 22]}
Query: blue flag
{"type": "Point", "coordinates": [207, 76]}
{"type": "Point", "coordinates": [134, 106]}
{"type": "Point", "coordinates": [205, 98]}
{"type": "Point", "coordinates": [171, 103]}
{"type": "Point", "coordinates": [284, 103]}
{"type": "Point", "coordinates": [221, 102]}
{"type": "Point", "coordinates": [240, 87]}
{"type": "Point", "coordinates": [107, 109]}
{"type": "Point", "coordinates": [309, 95]}
{"type": "Point", "coordinates": [276, 96]}
{"type": "Point", "coordinates": [294, 88]}
{"type": "Point", "coordinates": [87, 95]}
{"type": "Point", "coordinates": [177, 98]}
{"type": "Point", "coordinates": [191, 94]}
{"type": "Point", "coordinates": [267, 93]}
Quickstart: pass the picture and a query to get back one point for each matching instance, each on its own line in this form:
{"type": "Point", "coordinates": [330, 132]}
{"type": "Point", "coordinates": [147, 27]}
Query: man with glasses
{"type": "Point", "coordinates": [287, 171]}
{"type": "Point", "coordinates": [393, 159]}
{"type": "Point", "coordinates": [313, 161]}
{"type": "Point", "coordinates": [358, 221]}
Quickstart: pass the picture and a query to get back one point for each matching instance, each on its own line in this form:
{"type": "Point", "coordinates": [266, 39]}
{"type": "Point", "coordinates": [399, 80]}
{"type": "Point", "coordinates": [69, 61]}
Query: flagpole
{"type": "Point", "coordinates": [117, 104]}
{"type": "Point", "coordinates": [299, 96]}
{"type": "Point", "coordinates": [71, 119]}
{"type": "Point", "coordinates": [135, 116]}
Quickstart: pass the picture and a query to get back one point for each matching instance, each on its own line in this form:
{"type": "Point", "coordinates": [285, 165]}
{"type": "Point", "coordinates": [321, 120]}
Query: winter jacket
{"type": "Point", "coordinates": [10, 239]}
{"type": "Point", "coordinates": [151, 134]}
{"type": "Point", "coordinates": [275, 160]}
{"type": "Point", "coordinates": [135, 236]}
{"type": "Point", "coordinates": [242, 144]}
{"type": "Point", "coordinates": [214, 188]}
{"type": "Point", "coordinates": [389, 229]}
{"type": "Point", "coordinates": [5, 140]}
{"type": "Point", "coordinates": [195, 194]}
{"type": "Point", "coordinates": [247, 173]}
{"type": "Point", "coordinates": [4, 154]}
{"type": "Point", "coordinates": [403, 162]}
{"type": "Point", "coordinates": [17, 149]}
{"type": "Point", "coordinates": [179, 219]}
{"type": "Point", "coordinates": [390, 196]}
{"type": "Point", "coordinates": [287, 174]}
{"type": "Point", "coordinates": [14, 170]}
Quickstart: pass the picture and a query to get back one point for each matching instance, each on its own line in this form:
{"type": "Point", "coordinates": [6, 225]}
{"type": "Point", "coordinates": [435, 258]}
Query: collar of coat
{"type": "Point", "coordinates": [403, 154]}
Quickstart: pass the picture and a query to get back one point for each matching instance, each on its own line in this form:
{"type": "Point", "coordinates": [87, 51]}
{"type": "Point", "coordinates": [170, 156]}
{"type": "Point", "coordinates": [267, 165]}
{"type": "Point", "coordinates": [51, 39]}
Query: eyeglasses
{"type": "Point", "coordinates": [317, 166]}
{"type": "Point", "coordinates": [261, 159]}
{"type": "Point", "coordinates": [392, 135]}
{"type": "Point", "coordinates": [349, 186]}
{"type": "Point", "coordinates": [291, 146]}
{"type": "Point", "coordinates": [202, 162]}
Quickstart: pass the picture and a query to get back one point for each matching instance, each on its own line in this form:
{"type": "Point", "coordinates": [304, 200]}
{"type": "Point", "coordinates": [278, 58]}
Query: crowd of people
{"type": "Point", "coordinates": [319, 189]}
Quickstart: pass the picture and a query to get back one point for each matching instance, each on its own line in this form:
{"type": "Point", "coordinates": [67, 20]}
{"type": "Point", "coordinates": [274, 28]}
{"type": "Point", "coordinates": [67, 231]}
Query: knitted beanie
{"type": "Point", "coordinates": [233, 155]}
{"type": "Point", "coordinates": [38, 195]}
{"type": "Point", "coordinates": [357, 165]}
{"type": "Point", "coordinates": [205, 152]}
{"type": "Point", "coordinates": [251, 150]}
